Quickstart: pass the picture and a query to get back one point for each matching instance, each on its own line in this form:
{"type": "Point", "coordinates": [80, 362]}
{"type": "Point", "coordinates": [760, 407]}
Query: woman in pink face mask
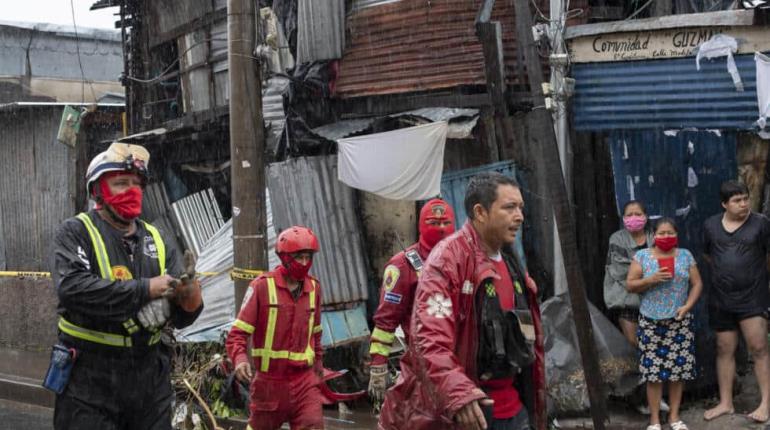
{"type": "Point", "coordinates": [624, 243]}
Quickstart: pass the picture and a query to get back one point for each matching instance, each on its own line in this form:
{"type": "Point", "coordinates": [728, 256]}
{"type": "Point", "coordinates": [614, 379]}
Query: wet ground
{"type": "Point", "coordinates": [17, 416]}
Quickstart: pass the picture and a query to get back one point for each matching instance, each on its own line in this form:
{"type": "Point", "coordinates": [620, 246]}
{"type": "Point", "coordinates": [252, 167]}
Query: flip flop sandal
{"type": "Point", "coordinates": [679, 425]}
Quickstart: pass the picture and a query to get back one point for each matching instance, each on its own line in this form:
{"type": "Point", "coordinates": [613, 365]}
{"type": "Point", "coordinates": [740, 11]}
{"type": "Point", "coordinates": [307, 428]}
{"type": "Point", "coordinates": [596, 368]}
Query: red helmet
{"type": "Point", "coordinates": [296, 239]}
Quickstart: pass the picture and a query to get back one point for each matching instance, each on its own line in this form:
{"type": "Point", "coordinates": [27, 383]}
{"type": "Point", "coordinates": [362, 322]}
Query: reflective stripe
{"type": "Point", "coordinates": [266, 353]}
{"type": "Point", "coordinates": [272, 316]}
{"type": "Point", "coordinates": [131, 326]}
{"type": "Point", "coordinates": [93, 335]}
{"type": "Point", "coordinates": [105, 268]}
{"type": "Point", "coordinates": [383, 336]}
{"type": "Point", "coordinates": [101, 252]}
{"type": "Point", "coordinates": [311, 322]}
{"type": "Point", "coordinates": [243, 325]}
{"type": "Point", "coordinates": [161, 247]}
{"type": "Point", "coordinates": [317, 329]}
{"type": "Point", "coordinates": [379, 348]}
{"type": "Point", "coordinates": [155, 338]}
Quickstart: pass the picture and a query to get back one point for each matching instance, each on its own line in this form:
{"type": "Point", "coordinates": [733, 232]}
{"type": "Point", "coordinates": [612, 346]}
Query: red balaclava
{"type": "Point", "coordinates": [128, 204]}
{"type": "Point", "coordinates": [438, 210]}
{"type": "Point", "coordinates": [294, 268]}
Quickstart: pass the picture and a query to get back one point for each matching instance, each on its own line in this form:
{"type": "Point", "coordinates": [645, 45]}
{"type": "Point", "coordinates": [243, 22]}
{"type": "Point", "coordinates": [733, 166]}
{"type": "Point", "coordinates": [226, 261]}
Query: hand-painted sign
{"type": "Point", "coordinates": [668, 43]}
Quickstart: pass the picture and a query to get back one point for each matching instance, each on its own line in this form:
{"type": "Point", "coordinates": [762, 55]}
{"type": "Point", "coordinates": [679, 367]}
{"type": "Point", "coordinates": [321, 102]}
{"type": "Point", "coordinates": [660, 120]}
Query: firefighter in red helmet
{"type": "Point", "coordinates": [399, 281]}
{"type": "Point", "coordinates": [281, 312]}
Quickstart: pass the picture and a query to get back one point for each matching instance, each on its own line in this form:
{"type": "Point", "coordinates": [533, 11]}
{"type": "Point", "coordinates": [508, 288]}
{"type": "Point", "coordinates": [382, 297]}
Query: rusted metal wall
{"type": "Point", "coordinates": [414, 45]}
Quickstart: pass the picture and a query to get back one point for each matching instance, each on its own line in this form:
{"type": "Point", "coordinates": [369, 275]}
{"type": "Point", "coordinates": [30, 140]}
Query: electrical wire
{"type": "Point", "coordinates": [166, 71]}
{"type": "Point", "coordinates": [80, 62]}
{"type": "Point", "coordinates": [638, 11]}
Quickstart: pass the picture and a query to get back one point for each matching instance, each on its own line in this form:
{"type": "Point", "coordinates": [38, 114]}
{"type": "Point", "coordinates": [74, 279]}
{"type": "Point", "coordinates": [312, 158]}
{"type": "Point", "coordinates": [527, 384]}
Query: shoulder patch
{"type": "Point", "coordinates": [439, 306]}
{"type": "Point", "coordinates": [390, 277]}
{"type": "Point", "coordinates": [392, 298]}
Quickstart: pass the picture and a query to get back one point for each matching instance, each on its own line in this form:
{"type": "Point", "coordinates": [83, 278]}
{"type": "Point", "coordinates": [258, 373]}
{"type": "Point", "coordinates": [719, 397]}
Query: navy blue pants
{"type": "Point", "coordinates": [519, 422]}
{"type": "Point", "coordinates": [117, 392]}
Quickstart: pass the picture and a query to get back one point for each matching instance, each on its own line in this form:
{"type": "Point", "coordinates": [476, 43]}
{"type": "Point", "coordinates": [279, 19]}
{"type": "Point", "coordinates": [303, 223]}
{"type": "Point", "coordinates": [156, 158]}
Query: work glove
{"type": "Point", "coordinates": [378, 383]}
{"type": "Point", "coordinates": [186, 292]}
{"type": "Point", "coordinates": [154, 314]}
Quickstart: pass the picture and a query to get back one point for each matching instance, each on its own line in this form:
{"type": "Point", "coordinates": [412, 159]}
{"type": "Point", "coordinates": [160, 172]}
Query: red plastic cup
{"type": "Point", "coordinates": [667, 263]}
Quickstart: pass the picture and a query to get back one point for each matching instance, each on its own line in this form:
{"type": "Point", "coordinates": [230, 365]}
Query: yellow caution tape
{"type": "Point", "coordinates": [236, 273]}
{"type": "Point", "coordinates": [246, 274]}
{"type": "Point", "coordinates": [25, 274]}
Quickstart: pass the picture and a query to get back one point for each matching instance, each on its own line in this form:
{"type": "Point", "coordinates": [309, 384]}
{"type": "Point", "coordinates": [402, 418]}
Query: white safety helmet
{"type": "Point", "coordinates": [119, 157]}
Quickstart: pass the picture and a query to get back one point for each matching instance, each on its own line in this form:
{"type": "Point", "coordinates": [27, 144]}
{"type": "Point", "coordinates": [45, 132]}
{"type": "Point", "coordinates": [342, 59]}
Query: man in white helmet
{"type": "Point", "coordinates": [118, 286]}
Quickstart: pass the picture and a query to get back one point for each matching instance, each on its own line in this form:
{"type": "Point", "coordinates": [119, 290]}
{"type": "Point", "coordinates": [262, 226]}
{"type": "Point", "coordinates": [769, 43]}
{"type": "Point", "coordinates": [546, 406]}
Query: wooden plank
{"type": "Point", "coordinates": [707, 19]}
{"type": "Point", "coordinates": [544, 141]}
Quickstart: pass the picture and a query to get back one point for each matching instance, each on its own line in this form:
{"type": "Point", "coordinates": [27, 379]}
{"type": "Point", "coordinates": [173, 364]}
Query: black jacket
{"type": "Point", "coordinates": [89, 301]}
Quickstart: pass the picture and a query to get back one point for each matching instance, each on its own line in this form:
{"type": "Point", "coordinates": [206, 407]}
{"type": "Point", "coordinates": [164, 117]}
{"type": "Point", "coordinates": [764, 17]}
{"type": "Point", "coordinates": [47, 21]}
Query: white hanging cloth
{"type": "Point", "coordinates": [404, 164]}
{"type": "Point", "coordinates": [763, 87]}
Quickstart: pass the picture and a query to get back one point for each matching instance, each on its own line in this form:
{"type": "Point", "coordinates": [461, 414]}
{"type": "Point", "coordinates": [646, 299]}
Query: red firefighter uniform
{"type": "Point", "coordinates": [399, 280]}
{"type": "Point", "coordinates": [285, 332]}
{"type": "Point", "coordinates": [438, 373]}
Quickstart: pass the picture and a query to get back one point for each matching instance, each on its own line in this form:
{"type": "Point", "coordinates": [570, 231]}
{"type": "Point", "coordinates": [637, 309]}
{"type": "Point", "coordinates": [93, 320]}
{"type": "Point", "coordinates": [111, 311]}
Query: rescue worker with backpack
{"type": "Point", "coordinates": [118, 285]}
{"type": "Point", "coordinates": [475, 359]}
{"type": "Point", "coordinates": [281, 313]}
{"type": "Point", "coordinates": [437, 221]}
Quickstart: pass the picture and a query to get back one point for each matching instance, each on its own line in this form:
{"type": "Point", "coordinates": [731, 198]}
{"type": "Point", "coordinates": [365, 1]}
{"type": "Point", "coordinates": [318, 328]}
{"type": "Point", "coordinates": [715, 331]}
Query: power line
{"type": "Point", "coordinates": [77, 49]}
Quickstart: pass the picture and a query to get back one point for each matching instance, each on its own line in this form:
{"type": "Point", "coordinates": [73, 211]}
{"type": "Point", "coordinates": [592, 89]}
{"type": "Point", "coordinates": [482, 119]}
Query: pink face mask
{"type": "Point", "coordinates": [635, 223]}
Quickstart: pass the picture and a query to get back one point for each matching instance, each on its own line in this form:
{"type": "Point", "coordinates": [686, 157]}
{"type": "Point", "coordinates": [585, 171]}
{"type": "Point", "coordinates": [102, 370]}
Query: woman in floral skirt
{"type": "Point", "coordinates": [669, 285]}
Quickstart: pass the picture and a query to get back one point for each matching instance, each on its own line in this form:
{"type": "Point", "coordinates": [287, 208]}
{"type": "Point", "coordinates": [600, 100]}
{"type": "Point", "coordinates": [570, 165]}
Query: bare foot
{"type": "Point", "coordinates": [760, 415]}
{"type": "Point", "coordinates": [717, 411]}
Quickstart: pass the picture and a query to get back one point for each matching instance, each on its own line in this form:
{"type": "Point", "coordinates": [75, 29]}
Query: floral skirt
{"type": "Point", "coordinates": [666, 349]}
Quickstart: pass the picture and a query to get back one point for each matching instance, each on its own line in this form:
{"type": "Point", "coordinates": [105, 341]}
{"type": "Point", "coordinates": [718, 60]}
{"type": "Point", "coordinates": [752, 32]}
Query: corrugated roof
{"type": "Point", "coordinates": [320, 30]}
{"type": "Point", "coordinates": [66, 30]}
{"type": "Point", "coordinates": [306, 191]}
{"type": "Point", "coordinates": [414, 45]}
{"type": "Point", "coordinates": [670, 94]}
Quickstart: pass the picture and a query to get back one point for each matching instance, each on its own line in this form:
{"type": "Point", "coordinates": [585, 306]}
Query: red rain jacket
{"type": "Point", "coordinates": [438, 372]}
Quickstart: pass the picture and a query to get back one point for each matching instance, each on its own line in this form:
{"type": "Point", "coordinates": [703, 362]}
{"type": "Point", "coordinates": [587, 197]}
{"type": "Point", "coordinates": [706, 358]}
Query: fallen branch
{"type": "Point", "coordinates": [203, 404]}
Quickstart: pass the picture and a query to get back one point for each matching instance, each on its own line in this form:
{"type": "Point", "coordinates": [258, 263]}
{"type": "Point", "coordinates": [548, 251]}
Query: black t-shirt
{"type": "Point", "coordinates": [739, 278]}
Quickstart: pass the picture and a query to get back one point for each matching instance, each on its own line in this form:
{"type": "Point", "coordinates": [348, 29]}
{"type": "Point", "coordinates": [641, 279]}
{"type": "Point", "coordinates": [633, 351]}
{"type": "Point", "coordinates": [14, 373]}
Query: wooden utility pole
{"type": "Point", "coordinates": [543, 140]}
{"type": "Point", "coordinates": [247, 147]}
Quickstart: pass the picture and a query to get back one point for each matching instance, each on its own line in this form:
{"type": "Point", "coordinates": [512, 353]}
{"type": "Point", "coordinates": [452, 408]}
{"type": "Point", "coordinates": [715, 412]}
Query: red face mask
{"type": "Point", "coordinates": [294, 268]}
{"type": "Point", "coordinates": [440, 211]}
{"type": "Point", "coordinates": [128, 204]}
{"type": "Point", "coordinates": [666, 244]}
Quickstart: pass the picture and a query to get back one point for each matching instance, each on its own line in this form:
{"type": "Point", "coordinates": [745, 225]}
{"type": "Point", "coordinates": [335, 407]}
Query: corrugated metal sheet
{"type": "Point", "coordinates": [655, 168]}
{"type": "Point", "coordinates": [199, 218]}
{"type": "Point", "coordinates": [38, 188]}
{"type": "Point", "coordinates": [168, 15]}
{"type": "Point", "coordinates": [668, 93]}
{"type": "Point", "coordinates": [320, 30]}
{"type": "Point", "coordinates": [306, 191]}
{"type": "Point", "coordinates": [217, 257]}
{"type": "Point", "coordinates": [414, 45]}
{"type": "Point", "coordinates": [272, 109]}
{"type": "Point", "coordinates": [45, 45]}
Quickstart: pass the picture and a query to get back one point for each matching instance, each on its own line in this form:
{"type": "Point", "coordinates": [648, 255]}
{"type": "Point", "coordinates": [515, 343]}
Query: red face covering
{"type": "Point", "coordinates": [438, 210]}
{"type": "Point", "coordinates": [667, 243]}
{"type": "Point", "coordinates": [128, 204]}
{"type": "Point", "coordinates": [294, 268]}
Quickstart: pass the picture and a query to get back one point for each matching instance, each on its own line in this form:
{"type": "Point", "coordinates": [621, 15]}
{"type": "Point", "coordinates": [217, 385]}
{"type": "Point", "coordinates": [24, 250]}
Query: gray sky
{"type": "Point", "coordinates": [59, 12]}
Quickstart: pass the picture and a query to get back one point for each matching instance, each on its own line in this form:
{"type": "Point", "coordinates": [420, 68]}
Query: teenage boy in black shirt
{"type": "Point", "coordinates": [736, 245]}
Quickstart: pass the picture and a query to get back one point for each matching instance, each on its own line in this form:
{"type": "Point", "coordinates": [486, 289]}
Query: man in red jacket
{"type": "Point", "coordinates": [281, 312]}
{"type": "Point", "coordinates": [457, 368]}
{"type": "Point", "coordinates": [437, 221]}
